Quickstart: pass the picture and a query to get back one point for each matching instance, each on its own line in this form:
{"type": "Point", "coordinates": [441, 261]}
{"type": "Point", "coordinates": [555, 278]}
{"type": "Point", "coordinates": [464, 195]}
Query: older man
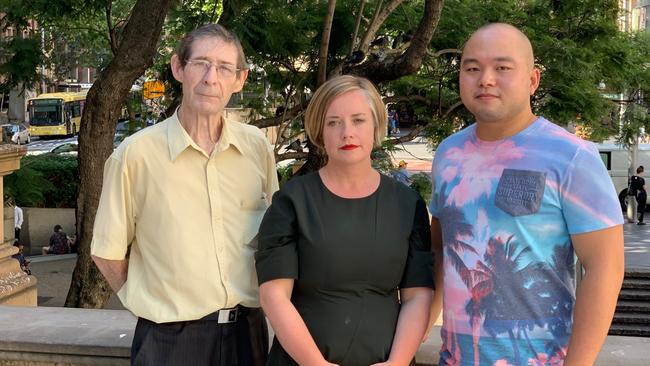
{"type": "Point", "coordinates": [514, 197]}
{"type": "Point", "coordinates": [187, 196]}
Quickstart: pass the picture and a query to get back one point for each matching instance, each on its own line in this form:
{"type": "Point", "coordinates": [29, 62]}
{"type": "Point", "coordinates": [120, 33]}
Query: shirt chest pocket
{"type": "Point", "coordinates": [252, 212]}
{"type": "Point", "coordinates": [520, 192]}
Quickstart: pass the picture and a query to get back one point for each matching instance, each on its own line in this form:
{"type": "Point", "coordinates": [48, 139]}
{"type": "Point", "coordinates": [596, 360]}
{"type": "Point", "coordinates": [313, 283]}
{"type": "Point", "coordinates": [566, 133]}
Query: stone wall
{"type": "Point", "coordinates": [63, 336]}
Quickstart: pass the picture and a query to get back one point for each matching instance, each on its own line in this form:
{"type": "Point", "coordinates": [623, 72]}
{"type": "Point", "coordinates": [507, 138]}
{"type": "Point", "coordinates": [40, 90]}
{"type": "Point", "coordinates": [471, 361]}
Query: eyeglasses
{"type": "Point", "coordinates": [225, 71]}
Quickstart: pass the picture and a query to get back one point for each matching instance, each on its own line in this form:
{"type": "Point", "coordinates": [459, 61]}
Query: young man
{"type": "Point", "coordinates": [514, 196]}
{"type": "Point", "coordinates": [187, 196]}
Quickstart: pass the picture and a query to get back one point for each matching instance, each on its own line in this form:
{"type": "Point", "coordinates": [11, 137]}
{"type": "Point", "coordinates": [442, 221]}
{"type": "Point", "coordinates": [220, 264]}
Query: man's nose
{"type": "Point", "coordinates": [211, 76]}
{"type": "Point", "coordinates": [486, 79]}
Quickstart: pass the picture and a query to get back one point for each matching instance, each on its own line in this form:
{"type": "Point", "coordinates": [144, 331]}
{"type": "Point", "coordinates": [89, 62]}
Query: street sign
{"type": "Point", "coordinates": [153, 89]}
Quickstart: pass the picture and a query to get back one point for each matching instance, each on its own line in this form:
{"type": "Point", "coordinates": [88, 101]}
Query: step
{"type": "Point", "coordinates": [629, 330]}
{"type": "Point", "coordinates": [634, 294]}
{"type": "Point", "coordinates": [626, 306]}
{"type": "Point", "coordinates": [632, 318]}
{"type": "Point", "coordinates": [636, 283]}
{"type": "Point", "coordinates": [637, 274]}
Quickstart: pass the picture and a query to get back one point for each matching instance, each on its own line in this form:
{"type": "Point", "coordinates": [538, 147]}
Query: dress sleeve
{"type": "Point", "coordinates": [277, 255]}
{"type": "Point", "coordinates": [418, 271]}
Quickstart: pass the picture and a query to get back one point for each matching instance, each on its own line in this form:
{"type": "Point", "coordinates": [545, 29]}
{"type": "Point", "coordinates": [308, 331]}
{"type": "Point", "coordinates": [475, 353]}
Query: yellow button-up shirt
{"type": "Point", "coordinates": [190, 219]}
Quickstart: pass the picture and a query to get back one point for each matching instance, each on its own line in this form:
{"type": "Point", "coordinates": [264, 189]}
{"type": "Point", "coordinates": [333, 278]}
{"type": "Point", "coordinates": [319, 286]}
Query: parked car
{"type": "Point", "coordinates": [68, 148]}
{"type": "Point", "coordinates": [126, 128]}
{"type": "Point", "coordinates": [17, 133]}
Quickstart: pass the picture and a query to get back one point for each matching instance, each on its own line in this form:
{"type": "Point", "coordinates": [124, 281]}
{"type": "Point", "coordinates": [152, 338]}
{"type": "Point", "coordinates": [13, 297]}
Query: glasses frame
{"type": "Point", "coordinates": [216, 67]}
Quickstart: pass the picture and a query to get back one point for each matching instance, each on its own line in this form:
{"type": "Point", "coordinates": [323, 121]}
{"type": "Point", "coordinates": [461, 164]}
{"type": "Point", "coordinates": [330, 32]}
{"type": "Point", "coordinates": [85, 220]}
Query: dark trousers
{"type": "Point", "coordinates": [641, 199]}
{"type": "Point", "coordinates": [202, 342]}
{"type": "Point", "coordinates": [17, 233]}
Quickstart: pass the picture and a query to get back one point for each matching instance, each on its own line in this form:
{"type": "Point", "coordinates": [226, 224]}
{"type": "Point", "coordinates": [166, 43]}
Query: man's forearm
{"type": "Point", "coordinates": [115, 271]}
{"type": "Point", "coordinates": [595, 304]}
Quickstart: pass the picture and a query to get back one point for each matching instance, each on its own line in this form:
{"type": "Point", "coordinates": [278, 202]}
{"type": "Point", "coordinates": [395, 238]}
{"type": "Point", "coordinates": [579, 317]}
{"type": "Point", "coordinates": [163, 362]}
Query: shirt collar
{"type": "Point", "coordinates": [179, 140]}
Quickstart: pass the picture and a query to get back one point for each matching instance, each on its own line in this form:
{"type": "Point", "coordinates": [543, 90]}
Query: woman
{"type": "Point", "coordinates": [338, 246]}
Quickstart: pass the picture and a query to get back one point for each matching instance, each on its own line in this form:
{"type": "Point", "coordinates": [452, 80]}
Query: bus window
{"type": "Point", "coordinates": [76, 109]}
{"type": "Point", "coordinates": [45, 112]}
{"type": "Point", "coordinates": [606, 156]}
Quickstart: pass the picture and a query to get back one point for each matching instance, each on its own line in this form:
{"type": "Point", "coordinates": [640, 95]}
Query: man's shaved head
{"type": "Point", "coordinates": [522, 42]}
{"type": "Point", "coordinates": [497, 78]}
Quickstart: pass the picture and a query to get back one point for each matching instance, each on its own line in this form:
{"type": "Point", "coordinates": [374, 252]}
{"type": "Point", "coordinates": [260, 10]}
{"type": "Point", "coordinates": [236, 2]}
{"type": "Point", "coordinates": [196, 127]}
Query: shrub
{"type": "Point", "coordinates": [44, 181]}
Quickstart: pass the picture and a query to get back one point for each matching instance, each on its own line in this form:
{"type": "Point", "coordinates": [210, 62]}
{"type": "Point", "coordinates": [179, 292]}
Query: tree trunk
{"type": "Point", "coordinates": [134, 55]}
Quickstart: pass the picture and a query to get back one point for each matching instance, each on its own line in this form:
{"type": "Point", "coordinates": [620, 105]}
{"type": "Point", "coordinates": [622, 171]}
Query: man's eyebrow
{"type": "Point", "coordinates": [469, 61]}
{"type": "Point", "coordinates": [498, 59]}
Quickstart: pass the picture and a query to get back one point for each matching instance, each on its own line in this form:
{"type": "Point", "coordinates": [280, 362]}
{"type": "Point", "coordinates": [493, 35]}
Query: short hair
{"type": "Point", "coordinates": [331, 89]}
{"type": "Point", "coordinates": [57, 227]}
{"type": "Point", "coordinates": [639, 169]}
{"type": "Point", "coordinates": [184, 48]}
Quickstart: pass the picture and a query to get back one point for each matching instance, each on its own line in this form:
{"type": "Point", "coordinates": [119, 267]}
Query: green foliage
{"type": "Point", "coordinates": [44, 181]}
{"type": "Point", "coordinates": [285, 173]}
{"type": "Point", "coordinates": [422, 184]}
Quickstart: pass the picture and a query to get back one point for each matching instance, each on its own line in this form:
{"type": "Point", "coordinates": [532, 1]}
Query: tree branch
{"type": "Point", "coordinates": [274, 121]}
{"type": "Point", "coordinates": [325, 42]}
{"type": "Point", "coordinates": [112, 39]}
{"type": "Point", "coordinates": [291, 155]}
{"type": "Point", "coordinates": [355, 34]}
{"type": "Point", "coordinates": [442, 52]}
{"type": "Point", "coordinates": [407, 98]}
{"type": "Point", "coordinates": [411, 135]}
{"type": "Point", "coordinates": [451, 109]}
{"type": "Point", "coordinates": [411, 60]}
{"type": "Point", "coordinates": [378, 20]}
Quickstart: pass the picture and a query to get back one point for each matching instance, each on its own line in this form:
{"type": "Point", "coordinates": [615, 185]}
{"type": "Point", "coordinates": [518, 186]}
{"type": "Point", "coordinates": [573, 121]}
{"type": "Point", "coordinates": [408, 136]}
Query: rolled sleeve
{"type": "Point", "coordinates": [277, 256]}
{"type": "Point", "coordinates": [114, 224]}
{"type": "Point", "coordinates": [418, 271]}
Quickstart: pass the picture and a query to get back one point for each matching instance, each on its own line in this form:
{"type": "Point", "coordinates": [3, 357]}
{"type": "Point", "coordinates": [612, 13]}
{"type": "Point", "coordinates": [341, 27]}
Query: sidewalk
{"type": "Point", "coordinates": [54, 273]}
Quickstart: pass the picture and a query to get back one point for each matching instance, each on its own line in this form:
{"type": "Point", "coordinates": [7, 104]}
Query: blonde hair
{"type": "Point", "coordinates": [330, 90]}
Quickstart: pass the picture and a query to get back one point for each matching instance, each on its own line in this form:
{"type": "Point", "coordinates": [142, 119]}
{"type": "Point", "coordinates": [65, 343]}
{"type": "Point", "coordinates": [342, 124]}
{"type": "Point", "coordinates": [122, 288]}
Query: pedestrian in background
{"type": "Point", "coordinates": [58, 243]}
{"type": "Point", "coordinates": [637, 188]}
{"type": "Point", "coordinates": [18, 221]}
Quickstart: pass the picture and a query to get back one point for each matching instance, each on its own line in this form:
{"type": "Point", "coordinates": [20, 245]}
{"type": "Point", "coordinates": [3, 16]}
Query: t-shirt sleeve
{"type": "Point", "coordinates": [589, 200]}
{"type": "Point", "coordinates": [277, 255]}
{"type": "Point", "coordinates": [114, 223]}
{"type": "Point", "coordinates": [418, 271]}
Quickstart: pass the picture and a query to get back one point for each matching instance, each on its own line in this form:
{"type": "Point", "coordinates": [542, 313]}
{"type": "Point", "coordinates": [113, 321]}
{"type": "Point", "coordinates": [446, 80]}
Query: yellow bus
{"type": "Point", "coordinates": [56, 114]}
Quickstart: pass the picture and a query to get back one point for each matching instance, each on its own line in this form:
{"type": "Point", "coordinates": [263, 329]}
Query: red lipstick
{"type": "Point", "coordinates": [348, 147]}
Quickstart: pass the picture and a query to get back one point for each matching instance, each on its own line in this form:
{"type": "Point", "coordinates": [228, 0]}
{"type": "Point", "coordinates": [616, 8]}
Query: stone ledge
{"type": "Point", "coordinates": [64, 336]}
{"type": "Point", "coordinates": [64, 332]}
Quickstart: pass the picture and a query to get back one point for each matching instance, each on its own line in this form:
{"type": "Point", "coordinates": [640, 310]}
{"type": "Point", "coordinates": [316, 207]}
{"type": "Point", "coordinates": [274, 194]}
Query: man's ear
{"type": "Point", "coordinates": [535, 77]}
{"type": "Point", "coordinates": [241, 79]}
{"type": "Point", "coordinates": [177, 68]}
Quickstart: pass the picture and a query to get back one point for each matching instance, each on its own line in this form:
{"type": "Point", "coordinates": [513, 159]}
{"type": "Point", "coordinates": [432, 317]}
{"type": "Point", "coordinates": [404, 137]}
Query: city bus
{"type": "Point", "coordinates": [56, 114]}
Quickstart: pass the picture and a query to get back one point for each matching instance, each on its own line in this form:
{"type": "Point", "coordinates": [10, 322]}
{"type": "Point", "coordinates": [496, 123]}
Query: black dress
{"type": "Point", "coordinates": [348, 258]}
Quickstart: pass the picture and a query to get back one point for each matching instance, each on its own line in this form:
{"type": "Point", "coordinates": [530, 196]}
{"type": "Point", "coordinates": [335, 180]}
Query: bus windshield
{"type": "Point", "coordinates": [45, 112]}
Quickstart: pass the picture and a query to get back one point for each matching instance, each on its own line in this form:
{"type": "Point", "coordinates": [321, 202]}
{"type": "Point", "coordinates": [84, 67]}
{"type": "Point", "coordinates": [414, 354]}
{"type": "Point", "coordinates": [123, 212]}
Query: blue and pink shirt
{"type": "Point", "coordinates": [507, 210]}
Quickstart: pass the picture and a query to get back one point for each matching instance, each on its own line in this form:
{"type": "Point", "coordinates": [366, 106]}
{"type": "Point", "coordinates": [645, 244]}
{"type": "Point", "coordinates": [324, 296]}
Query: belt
{"type": "Point", "coordinates": [225, 316]}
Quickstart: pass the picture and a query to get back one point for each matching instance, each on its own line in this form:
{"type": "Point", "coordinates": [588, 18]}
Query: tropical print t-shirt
{"type": "Point", "coordinates": [507, 209]}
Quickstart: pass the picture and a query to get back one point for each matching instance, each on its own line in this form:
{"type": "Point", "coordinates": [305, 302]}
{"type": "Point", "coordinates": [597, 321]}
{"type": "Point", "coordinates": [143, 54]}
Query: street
{"type": "Point", "coordinates": [39, 146]}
